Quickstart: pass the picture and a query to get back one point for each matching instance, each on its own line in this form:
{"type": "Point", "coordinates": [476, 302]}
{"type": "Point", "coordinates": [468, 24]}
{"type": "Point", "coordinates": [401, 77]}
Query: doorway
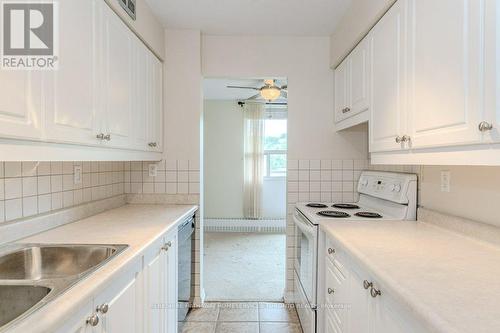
{"type": "Point", "coordinates": [245, 153]}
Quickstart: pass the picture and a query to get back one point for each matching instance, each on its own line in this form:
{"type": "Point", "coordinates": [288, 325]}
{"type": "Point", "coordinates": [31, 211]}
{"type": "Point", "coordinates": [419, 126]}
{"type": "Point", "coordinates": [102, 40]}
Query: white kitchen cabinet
{"type": "Point", "coordinates": [78, 323]}
{"type": "Point", "coordinates": [155, 122]}
{"type": "Point", "coordinates": [118, 80]}
{"type": "Point", "coordinates": [445, 65]}
{"type": "Point", "coordinates": [105, 94]}
{"type": "Point", "coordinates": [388, 47]}
{"type": "Point", "coordinates": [20, 105]}
{"type": "Point", "coordinates": [160, 278]}
{"type": "Point", "coordinates": [352, 87]}
{"type": "Point", "coordinates": [351, 307]}
{"type": "Point", "coordinates": [71, 92]}
{"type": "Point", "coordinates": [117, 307]}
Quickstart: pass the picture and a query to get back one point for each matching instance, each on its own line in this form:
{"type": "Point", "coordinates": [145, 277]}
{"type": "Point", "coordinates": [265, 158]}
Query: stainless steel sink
{"type": "Point", "coordinates": [52, 261]}
{"type": "Point", "coordinates": [31, 275]}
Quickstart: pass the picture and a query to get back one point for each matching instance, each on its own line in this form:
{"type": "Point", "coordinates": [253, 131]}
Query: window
{"type": "Point", "coordinates": [275, 146]}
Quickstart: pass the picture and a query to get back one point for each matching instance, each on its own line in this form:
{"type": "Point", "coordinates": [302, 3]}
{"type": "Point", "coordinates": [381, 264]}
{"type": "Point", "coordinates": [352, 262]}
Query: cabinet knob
{"type": "Point", "coordinates": [406, 138]}
{"type": "Point", "coordinates": [398, 139]}
{"type": "Point", "coordinates": [331, 291]}
{"type": "Point", "coordinates": [93, 320]}
{"type": "Point", "coordinates": [166, 246]}
{"type": "Point", "coordinates": [152, 144]}
{"type": "Point", "coordinates": [345, 110]}
{"type": "Point", "coordinates": [331, 251]}
{"type": "Point", "coordinates": [375, 292]}
{"type": "Point", "coordinates": [100, 136]}
{"type": "Point", "coordinates": [103, 308]}
{"type": "Point", "coordinates": [485, 126]}
{"type": "Point", "coordinates": [107, 137]}
{"type": "Point", "coordinates": [367, 284]}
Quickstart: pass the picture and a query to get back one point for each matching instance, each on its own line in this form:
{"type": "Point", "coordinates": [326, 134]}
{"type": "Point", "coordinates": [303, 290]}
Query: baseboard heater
{"type": "Point", "coordinates": [244, 225]}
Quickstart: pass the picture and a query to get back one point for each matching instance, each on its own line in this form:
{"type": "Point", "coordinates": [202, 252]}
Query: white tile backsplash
{"type": "Point", "coordinates": [31, 188]}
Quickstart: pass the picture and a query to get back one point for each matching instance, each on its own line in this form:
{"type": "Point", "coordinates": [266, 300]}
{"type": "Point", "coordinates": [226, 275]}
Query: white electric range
{"type": "Point", "coordinates": [383, 196]}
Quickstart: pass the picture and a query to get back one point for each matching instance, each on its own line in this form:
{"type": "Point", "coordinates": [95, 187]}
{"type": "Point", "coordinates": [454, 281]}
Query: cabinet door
{"type": "Point", "coordinates": [170, 291]}
{"type": "Point", "coordinates": [20, 115]}
{"type": "Point", "coordinates": [118, 64]}
{"type": "Point", "coordinates": [446, 72]}
{"type": "Point", "coordinates": [78, 322]}
{"type": "Point", "coordinates": [156, 103]}
{"type": "Point", "coordinates": [358, 79]}
{"type": "Point", "coordinates": [341, 90]}
{"type": "Point", "coordinates": [492, 70]}
{"type": "Point", "coordinates": [154, 287]}
{"type": "Point", "coordinates": [142, 91]}
{"type": "Point", "coordinates": [121, 314]}
{"type": "Point", "coordinates": [71, 92]}
{"type": "Point", "coordinates": [360, 302]}
{"type": "Point", "coordinates": [387, 79]}
{"type": "Point", "coordinates": [337, 298]}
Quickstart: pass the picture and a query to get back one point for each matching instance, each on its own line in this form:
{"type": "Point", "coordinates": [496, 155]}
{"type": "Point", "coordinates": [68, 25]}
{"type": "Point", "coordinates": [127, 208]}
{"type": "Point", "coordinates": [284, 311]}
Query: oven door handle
{"type": "Point", "coordinates": [306, 227]}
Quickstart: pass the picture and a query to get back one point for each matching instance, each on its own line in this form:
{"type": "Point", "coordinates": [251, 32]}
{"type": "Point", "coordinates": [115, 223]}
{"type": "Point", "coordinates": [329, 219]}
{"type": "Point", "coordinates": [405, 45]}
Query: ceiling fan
{"type": "Point", "coordinates": [269, 91]}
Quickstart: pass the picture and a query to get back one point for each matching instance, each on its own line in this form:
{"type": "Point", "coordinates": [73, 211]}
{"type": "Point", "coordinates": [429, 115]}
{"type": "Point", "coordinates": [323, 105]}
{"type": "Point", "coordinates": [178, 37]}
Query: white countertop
{"type": "Point", "coordinates": [450, 282]}
{"type": "Point", "coordinates": [134, 225]}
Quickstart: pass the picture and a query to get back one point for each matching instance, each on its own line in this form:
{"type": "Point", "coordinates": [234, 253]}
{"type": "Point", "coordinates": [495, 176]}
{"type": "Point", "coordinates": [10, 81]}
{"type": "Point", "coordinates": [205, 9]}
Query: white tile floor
{"type": "Point", "coordinates": [244, 266]}
{"type": "Point", "coordinates": [244, 317]}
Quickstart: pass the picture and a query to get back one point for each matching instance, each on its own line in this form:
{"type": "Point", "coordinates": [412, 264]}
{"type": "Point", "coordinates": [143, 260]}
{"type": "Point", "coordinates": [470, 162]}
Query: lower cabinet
{"type": "Point", "coordinates": [355, 303]}
{"type": "Point", "coordinates": [142, 299]}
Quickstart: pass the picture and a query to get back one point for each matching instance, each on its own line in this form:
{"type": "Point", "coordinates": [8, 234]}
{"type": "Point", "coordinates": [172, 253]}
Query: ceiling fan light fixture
{"type": "Point", "coordinates": [270, 93]}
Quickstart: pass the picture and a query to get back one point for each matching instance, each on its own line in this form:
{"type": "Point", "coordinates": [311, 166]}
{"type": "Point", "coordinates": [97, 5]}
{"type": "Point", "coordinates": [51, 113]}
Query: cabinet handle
{"type": "Point", "coordinates": [398, 139]}
{"type": "Point", "coordinates": [100, 136]}
{"type": "Point", "coordinates": [152, 144]}
{"type": "Point", "coordinates": [485, 126]}
{"type": "Point", "coordinates": [331, 291]}
{"type": "Point", "coordinates": [93, 320]}
{"type": "Point", "coordinates": [406, 138]}
{"type": "Point", "coordinates": [103, 308]}
{"type": "Point", "coordinates": [345, 110]}
{"type": "Point", "coordinates": [166, 246]}
{"type": "Point", "coordinates": [367, 284]}
{"type": "Point", "coordinates": [375, 292]}
{"type": "Point", "coordinates": [331, 251]}
{"type": "Point", "coordinates": [107, 137]}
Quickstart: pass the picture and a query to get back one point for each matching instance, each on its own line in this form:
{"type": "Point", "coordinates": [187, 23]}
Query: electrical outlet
{"type": "Point", "coordinates": [445, 181]}
{"type": "Point", "coordinates": [77, 174]}
{"type": "Point", "coordinates": [153, 170]}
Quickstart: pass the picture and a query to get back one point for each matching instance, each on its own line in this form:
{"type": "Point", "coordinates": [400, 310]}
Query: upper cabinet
{"type": "Point", "coordinates": [351, 87]}
{"type": "Point", "coordinates": [388, 78]}
{"type": "Point", "coordinates": [434, 83]}
{"type": "Point", "coordinates": [106, 91]}
{"type": "Point", "coordinates": [446, 68]}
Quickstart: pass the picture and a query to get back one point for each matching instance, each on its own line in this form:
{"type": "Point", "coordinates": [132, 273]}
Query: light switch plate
{"type": "Point", "coordinates": [153, 170]}
{"type": "Point", "coordinates": [445, 181]}
{"type": "Point", "coordinates": [77, 174]}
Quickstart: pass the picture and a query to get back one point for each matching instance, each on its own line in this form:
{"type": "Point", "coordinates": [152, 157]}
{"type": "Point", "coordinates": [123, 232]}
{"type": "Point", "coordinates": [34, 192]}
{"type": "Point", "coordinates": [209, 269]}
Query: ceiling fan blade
{"type": "Point", "coordinates": [239, 87]}
{"type": "Point", "coordinates": [254, 97]}
{"type": "Point", "coordinates": [284, 94]}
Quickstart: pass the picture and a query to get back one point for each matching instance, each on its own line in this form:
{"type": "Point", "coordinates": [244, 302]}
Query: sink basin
{"type": "Point", "coordinates": [52, 261]}
{"type": "Point", "coordinates": [17, 299]}
{"type": "Point", "coordinates": [31, 275]}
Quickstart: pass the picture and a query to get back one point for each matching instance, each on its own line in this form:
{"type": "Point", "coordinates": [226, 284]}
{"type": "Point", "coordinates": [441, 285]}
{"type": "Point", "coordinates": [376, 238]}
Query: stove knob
{"type": "Point", "coordinates": [397, 188]}
{"type": "Point", "coordinates": [364, 182]}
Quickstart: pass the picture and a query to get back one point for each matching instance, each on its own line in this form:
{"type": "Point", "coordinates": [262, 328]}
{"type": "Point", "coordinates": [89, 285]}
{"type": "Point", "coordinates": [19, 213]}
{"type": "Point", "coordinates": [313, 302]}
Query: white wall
{"type": "Point", "coordinates": [274, 198]}
{"type": "Point", "coordinates": [223, 159]}
{"type": "Point", "coordinates": [183, 95]}
{"type": "Point", "coordinates": [358, 20]}
{"type": "Point", "coordinates": [304, 61]}
{"type": "Point", "coordinates": [145, 24]}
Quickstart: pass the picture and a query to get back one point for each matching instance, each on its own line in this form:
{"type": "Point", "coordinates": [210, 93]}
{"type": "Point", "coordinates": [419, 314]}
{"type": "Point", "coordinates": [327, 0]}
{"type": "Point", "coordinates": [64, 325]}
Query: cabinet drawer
{"type": "Point", "coordinates": [335, 255]}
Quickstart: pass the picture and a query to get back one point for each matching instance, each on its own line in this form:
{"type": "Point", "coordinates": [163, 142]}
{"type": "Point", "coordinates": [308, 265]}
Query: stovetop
{"type": "Point", "coordinates": [358, 211]}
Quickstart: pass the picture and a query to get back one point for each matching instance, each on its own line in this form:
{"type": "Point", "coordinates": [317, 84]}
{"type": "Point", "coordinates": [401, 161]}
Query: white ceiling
{"type": "Point", "coordinates": [252, 17]}
{"type": "Point", "coordinates": [215, 89]}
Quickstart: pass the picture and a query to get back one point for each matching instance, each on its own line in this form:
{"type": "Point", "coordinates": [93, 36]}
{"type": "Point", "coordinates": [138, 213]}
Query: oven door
{"type": "Point", "coordinates": [306, 263]}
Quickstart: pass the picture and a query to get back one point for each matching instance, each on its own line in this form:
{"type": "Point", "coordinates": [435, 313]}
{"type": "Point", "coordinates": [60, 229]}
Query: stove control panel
{"type": "Point", "coordinates": [395, 187]}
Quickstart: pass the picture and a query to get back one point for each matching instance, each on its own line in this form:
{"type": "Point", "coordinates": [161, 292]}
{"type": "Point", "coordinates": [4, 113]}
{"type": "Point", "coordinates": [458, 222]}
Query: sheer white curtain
{"type": "Point", "coordinates": [254, 159]}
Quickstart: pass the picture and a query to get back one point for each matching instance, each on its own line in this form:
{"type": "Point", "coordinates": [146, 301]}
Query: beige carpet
{"type": "Point", "coordinates": [244, 266]}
